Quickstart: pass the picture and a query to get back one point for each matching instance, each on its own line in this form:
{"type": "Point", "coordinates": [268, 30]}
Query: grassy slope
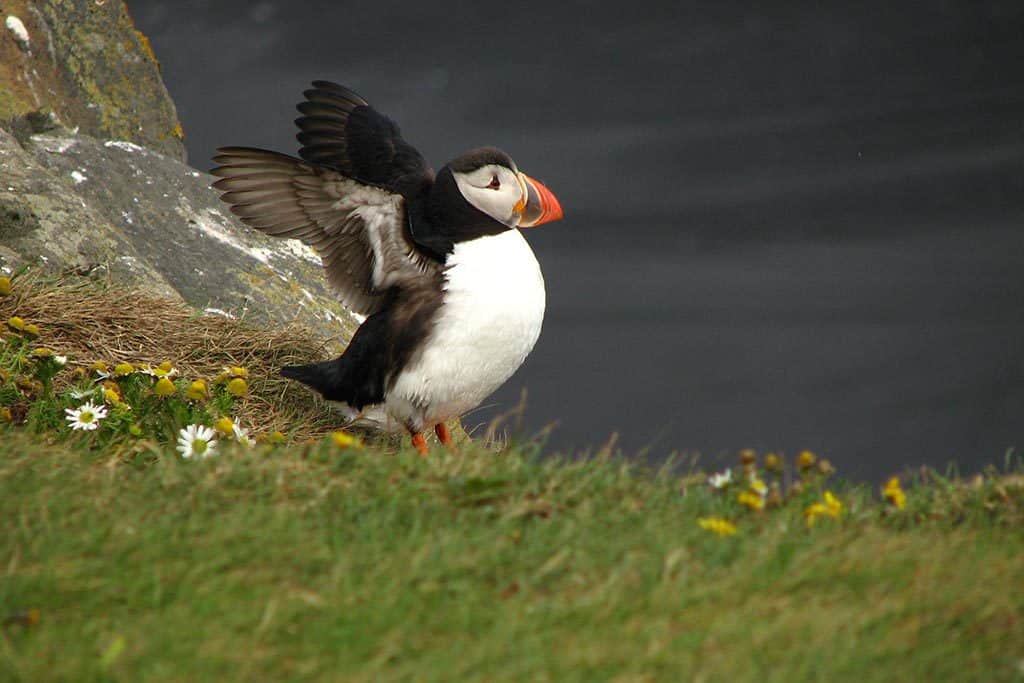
{"type": "Point", "coordinates": [315, 563]}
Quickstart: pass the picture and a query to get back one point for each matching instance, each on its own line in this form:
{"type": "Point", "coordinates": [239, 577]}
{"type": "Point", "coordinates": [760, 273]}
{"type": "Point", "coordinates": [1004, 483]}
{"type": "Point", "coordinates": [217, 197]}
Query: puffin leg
{"type": "Point", "coordinates": [443, 435]}
{"type": "Point", "coordinates": [420, 444]}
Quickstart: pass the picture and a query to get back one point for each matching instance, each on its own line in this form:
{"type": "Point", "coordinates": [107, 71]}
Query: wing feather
{"type": "Point", "coordinates": [359, 231]}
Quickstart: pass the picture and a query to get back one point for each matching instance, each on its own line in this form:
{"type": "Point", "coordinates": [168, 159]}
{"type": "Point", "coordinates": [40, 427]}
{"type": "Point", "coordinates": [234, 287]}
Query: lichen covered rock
{"type": "Point", "coordinates": [85, 62]}
{"type": "Point", "coordinates": [71, 200]}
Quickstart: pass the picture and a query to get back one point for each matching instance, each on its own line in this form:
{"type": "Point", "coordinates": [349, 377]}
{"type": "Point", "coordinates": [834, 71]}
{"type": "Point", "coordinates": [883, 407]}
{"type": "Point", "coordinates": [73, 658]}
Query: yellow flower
{"type": "Point", "coordinates": [134, 429]}
{"type": "Point", "coordinates": [759, 487]}
{"type": "Point", "coordinates": [31, 329]}
{"type": "Point", "coordinates": [806, 460]}
{"type": "Point", "coordinates": [893, 493]}
{"type": "Point", "coordinates": [16, 323]}
{"type": "Point", "coordinates": [751, 500]}
{"type": "Point", "coordinates": [5, 414]}
{"type": "Point", "coordinates": [345, 440]}
{"type": "Point", "coordinates": [225, 425]}
{"type": "Point", "coordinates": [111, 396]}
{"type": "Point", "coordinates": [826, 468]}
{"type": "Point", "coordinates": [773, 463]}
{"type": "Point", "coordinates": [99, 367]}
{"type": "Point", "coordinates": [829, 507]}
{"type": "Point", "coordinates": [42, 352]}
{"type": "Point", "coordinates": [227, 374]}
{"type": "Point", "coordinates": [748, 456]}
{"type": "Point", "coordinates": [5, 285]}
{"type": "Point", "coordinates": [717, 526]}
{"type": "Point", "coordinates": [238, 387]}
{"type": "Point", "coordinates": [164, 387]}
{"type": "Point", "coordinates": [196, 391]}
{"type": "Point", "coordinates": [272, 437]}
{"type": "Point", "coordinates": [123, 369]}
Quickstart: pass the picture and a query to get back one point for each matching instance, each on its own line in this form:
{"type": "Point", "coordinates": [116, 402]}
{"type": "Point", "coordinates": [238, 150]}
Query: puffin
{"type": "Point", "coordinates": [450, 294]}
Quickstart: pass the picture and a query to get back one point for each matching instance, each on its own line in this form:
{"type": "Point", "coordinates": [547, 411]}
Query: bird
{"type": "Point", "coordinates": [451, 294]}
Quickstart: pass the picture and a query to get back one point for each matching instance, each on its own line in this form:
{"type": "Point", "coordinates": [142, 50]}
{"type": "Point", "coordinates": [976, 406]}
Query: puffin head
{"type": "Point", "coordinates": [482, 192]}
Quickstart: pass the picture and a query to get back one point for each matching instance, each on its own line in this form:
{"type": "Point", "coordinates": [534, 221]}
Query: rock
{"type": "Point", "coordinates": [76, 201]}
{"type": "Point", "coordinates": [85, 62]}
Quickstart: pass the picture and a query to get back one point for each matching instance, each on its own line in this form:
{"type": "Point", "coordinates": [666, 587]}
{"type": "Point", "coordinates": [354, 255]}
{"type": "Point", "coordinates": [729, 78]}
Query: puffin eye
{"type": "Point", "coordinates": [495, 183]}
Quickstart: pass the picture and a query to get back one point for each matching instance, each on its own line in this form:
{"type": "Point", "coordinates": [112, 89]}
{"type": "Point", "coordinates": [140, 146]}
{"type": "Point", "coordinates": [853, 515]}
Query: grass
{"type": "Point", "coordinates": [121, 561]}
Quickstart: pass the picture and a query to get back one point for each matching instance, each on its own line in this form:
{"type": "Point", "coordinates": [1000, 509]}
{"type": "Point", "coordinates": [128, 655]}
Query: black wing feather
{"type": "Point", "coordinates": [342, 131]}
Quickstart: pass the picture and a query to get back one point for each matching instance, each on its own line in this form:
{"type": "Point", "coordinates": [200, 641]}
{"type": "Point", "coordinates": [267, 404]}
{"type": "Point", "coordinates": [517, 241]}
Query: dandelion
{"type": "Point", "coordinates": [345, 440]}
{"type": "Point", "coordinates": [238, 387]}
{"type": "Point", "coordinates": [86, 416]}
{"type": "Point", "coordinates": [829, 507]}
{"type": "Point", "coordinates": [6, 415]}
{"type": "Point", "coordinates": [134, 429]}
{"type": "Point", "coordinates": [196, 391]}
{"type": "Point", "coordinates": [5, 286]}
{"type": "Point", "coordinates": [31, 329]}
{"type": "Point", "coordinates": [773, 463]}
{"type": "Point", "coordinates": [164, 387]}
{"type": "Point", "coordinates": [16, 323]}
{"type": "Point", "coordinates": [893, 492]}
{"type": "Point", "coordinates": [42, 353]}
{"type": "Point", "coordinates": [720, 480]}
{"type": "Point", "coordinates": [748, 456]}
{"type": "Point", "coordinates": [196, 440]}
{"type": "Point", "coordinates": [717, 526]}
{"type": "Point", "coordinates": [825, 468]}
{"type": "Point", "coordinates": [100, 368]}
{"type": "Point", "coordinates": [751, 500]}
{"type": "Point", "coordinates": [806, 460]}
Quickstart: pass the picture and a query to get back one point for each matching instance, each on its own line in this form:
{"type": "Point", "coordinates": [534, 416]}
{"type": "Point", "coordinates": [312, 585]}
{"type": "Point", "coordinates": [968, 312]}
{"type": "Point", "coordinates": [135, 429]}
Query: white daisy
{"type": "Point", "coordinates": [60, 360]}
{"type": "Point", "coordinates": [720, 480]}
{"type": "Point", "coordinates": [162, 370]}
{"type": "Point", "coordinates": [242, 435]}
{"type": "Point", "coordinates": [86, 416]}
{"type": "Point", "coordinates": [196, 440]}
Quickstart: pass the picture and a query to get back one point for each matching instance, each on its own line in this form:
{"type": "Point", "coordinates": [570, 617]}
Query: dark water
{"type": "Point", "coordinates": [790, 227]}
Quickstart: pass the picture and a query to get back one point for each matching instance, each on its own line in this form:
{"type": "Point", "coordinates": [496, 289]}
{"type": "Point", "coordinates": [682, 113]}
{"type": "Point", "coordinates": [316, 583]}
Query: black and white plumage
{"type": "Point", "coordinates": [452, 294]}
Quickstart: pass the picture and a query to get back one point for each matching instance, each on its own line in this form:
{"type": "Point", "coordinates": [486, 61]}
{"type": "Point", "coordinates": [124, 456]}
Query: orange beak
{"type": "Point", "coordinates": [541, 205]}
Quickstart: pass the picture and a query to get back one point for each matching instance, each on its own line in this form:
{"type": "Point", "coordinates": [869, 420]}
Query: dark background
{"type": "Point", "coordinates": [788, 225]}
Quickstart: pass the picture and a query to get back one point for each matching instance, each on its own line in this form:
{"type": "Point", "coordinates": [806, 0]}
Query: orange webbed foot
{"type": "Point", "coordinates": [420, 444]}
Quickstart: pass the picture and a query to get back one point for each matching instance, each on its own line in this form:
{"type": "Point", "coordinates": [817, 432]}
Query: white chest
{"type": "Point", "coordinates": [490, 319]}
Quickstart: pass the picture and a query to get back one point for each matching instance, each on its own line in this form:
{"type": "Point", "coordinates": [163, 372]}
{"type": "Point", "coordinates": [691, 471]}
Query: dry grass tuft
{"type": "Point", "coordinates": [90, 320]}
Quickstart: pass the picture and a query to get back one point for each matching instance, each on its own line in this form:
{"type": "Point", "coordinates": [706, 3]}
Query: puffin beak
{"type": "Point", "coordinates": [539, 204]}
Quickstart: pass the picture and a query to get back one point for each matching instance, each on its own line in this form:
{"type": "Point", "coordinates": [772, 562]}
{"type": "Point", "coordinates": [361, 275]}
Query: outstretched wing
{"type": "Point", "coordinates": [340, 130]}
{"type": "Point", "coordinates": [359, 230]}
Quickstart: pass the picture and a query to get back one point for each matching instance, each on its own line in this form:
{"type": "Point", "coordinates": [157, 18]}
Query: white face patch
{"type": "Point", "coordinates": [495, 190]}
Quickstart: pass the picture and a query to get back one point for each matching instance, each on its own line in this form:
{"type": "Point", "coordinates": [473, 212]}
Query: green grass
{"type": "Point", "coordinates": [315, 563]}
{"type": "Point", "coordinates": [121, 561]}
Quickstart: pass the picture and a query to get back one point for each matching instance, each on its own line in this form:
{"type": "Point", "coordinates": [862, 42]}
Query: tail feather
{"type": "Point", "coordinates": [324, 377]}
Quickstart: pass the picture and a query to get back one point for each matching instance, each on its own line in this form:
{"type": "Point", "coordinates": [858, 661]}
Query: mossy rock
{"type": "Point", "coordinates": [86, 63]}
